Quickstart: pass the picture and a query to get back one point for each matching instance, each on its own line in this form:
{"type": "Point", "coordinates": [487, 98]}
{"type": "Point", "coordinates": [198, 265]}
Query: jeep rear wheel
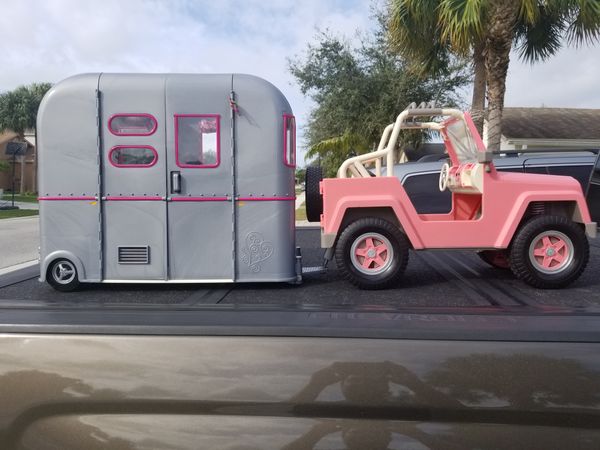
{"type": "Point", "coordinates": [372, 253]}
{"type": "Point", "coordinates": [314, 199]}
{"type": "Point", "coordinates": [549, 252]}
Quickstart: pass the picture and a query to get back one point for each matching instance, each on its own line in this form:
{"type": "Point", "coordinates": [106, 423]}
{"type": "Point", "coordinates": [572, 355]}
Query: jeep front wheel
{"type": "Point", "coordinates": [549, 252]}
{"type": "Point", "coordinates": [372, 253]}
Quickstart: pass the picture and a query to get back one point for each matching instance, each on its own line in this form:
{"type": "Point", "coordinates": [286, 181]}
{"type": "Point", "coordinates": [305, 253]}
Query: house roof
{"type": "Point", "coordinates": [551, 123]}
{"type": "Point", "coordinates": [7, 136]}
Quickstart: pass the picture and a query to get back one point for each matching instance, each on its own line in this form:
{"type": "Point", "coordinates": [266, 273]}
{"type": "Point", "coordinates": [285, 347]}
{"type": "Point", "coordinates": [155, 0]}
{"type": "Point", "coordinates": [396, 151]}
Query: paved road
{"type": "Point", "coordinates": [19, 240]}
{"type": "Point", "coordinates": [434, 279]}
{"type": "Point", "coordinates": [21, 205]}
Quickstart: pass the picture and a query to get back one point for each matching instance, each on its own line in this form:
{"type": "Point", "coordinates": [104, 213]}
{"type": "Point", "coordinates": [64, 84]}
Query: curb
{"type": "Point", "coordinates": [307, 224]}
{"type": "Point", "coordinates": [19, 266]}
{"type": "Point", "coordinates": [37, 217]}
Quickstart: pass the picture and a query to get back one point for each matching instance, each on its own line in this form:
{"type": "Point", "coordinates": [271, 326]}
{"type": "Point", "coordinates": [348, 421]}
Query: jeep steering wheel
{"type": "Point", "coordinates": [444, 177]}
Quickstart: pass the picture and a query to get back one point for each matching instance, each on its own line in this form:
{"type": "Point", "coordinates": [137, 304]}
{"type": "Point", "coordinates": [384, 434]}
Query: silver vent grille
{"type": "Point", "coordinates": [134, 255]}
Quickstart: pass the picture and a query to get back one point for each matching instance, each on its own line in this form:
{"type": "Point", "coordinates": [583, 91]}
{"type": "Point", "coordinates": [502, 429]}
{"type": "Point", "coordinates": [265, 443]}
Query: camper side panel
{"type": "Point", "coordinates": [265, 213]}
{"type": "Point", "coordinates": [67, 136]}
{"type": "Point", "coordinates": [134, 166]}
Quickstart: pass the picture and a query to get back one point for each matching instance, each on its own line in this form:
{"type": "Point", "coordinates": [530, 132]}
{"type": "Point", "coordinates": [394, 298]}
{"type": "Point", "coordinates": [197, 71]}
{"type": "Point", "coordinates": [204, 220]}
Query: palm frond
{"type": "Point", "coordinates": [414, 32]}
{"type": "Point", "coordinates": [541, 39]}
{"type": "Point", "coordinates": [345, 145]}
{"type": "Point", "coordinates": [462, 22]}
{"type": "Point", "coordinates": [583, 17]}
{"type": "Point", "coordinates": [530, 10]}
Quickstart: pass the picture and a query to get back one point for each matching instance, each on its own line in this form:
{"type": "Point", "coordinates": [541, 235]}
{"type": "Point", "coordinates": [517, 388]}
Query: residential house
{"type": "Point", "coordinates": [29, 169]}
{"type": "Point", "coordinates": [549, 128]}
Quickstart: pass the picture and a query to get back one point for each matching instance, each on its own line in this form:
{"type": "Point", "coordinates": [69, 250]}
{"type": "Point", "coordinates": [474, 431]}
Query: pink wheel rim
{"type": "Point", "coordinates": [551, 252]}
{"type": "Point", "coordinates": [371, 253]}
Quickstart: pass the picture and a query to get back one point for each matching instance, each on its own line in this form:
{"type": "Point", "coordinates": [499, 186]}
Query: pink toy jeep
{"type": "Point", "coordinates": [536, 224]}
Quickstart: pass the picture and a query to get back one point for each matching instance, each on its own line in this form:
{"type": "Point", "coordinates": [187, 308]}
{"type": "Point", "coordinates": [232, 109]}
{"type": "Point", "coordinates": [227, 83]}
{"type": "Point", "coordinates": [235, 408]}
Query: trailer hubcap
{"type": "Point", "coordinates": [551, 252]}
{"type": "Point", "coordinates": [63, 272]}
{"type": "Point", "coordinates": [371, 253]}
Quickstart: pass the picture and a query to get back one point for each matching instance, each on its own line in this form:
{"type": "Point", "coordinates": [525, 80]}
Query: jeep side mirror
{"type": "Point", "coordinates": [485, 157]}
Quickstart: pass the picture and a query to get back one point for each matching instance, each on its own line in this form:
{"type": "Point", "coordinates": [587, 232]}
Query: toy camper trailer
{"type": "Point", "coordinates": [166, 178]}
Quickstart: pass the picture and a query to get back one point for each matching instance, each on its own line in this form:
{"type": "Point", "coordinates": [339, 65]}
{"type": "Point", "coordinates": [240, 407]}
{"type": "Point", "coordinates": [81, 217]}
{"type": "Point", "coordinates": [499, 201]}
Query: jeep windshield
{"type": "Point", "coordinates": [458, 136]}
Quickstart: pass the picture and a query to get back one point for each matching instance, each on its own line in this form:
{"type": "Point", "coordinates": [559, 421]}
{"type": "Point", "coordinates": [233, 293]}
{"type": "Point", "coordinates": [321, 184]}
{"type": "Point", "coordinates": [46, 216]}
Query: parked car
{"type": "Point", "coordinates": [262, 379]}
{"type": "Point", "coordinates": [420, 178]}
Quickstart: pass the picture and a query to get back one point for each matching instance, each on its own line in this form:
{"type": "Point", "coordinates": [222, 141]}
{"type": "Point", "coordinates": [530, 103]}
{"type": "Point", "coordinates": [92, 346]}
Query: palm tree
{"type": "Point", "coordinates": [18, 113]}
{"type": "Point", "coordinates": [427, 31]}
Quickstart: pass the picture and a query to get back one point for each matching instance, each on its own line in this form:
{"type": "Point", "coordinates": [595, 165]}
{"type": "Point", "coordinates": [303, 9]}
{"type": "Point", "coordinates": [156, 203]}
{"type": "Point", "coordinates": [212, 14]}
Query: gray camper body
{"type": "Point", "coordinates": [168, 178]}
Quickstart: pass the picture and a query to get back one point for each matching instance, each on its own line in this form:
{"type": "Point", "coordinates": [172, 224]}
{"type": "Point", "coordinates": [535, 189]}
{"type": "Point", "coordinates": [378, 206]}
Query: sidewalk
{"type": "Point", "coordinates": [300, 199]}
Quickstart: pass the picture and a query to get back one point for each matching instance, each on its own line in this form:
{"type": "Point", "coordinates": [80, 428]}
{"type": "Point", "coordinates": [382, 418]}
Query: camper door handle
{"type": "Point", "coordinates": [175, 182]}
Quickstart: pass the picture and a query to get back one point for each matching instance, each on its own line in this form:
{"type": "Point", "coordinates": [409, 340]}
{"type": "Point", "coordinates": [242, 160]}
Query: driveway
{"type": "Point", "coordinates": [19, 240]}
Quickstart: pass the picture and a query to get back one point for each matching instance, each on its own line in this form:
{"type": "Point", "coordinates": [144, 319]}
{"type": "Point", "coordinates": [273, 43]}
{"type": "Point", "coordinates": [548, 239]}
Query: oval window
{"type": "Point", "coordinates": [132, 124]}
{"type": "Point", "coordinates": [133, 156]}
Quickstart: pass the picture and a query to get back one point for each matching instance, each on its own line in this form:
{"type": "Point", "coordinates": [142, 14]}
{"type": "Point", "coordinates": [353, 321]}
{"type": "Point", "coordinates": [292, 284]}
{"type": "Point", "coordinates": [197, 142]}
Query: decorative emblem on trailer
{"type": "Point", "coordinates": [256, 251]}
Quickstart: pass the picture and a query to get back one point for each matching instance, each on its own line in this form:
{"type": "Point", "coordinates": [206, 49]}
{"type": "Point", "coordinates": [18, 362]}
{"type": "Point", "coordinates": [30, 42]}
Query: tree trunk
{"type": "Point", "coordinates": [22, 182]}
{"type": "Point", "coordinates": [479, 85]}
{"type": "Point", "coordinates": [501, 24]}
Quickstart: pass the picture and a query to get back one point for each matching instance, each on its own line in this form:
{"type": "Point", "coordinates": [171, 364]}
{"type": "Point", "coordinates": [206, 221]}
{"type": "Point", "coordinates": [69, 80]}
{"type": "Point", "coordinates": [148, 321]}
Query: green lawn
{"type": "Point", "coordinates": [20, 198]}
{"type": "Point", "coordinates": [10, 213]}
{"type": "Point", "coordinates": [301, 212]}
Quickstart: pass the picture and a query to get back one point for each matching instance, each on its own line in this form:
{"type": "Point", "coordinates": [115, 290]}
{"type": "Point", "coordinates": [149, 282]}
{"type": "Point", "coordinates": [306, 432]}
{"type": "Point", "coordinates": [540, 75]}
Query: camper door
{"type": "Point", "coordinates": [200, 178]}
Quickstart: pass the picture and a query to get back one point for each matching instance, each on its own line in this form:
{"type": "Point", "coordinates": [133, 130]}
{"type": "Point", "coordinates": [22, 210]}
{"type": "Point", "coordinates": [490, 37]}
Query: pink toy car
{"type": "Point", "coordinates": [537, 224]}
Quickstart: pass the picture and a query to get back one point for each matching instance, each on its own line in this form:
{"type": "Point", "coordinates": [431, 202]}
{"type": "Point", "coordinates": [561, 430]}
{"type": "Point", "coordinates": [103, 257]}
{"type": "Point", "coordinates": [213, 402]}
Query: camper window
{"type": "Point", "coordinates": [132, 124]}
{"type": "Point", "coordinates": [197, 140]}
{"type": "Point", "coordinates": [289, 140]}
{"type": "Point", "coordinates": [132, 156]}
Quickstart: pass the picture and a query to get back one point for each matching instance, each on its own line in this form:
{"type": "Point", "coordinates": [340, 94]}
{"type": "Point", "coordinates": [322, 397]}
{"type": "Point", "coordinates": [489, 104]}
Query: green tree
{"type": "Point", "coordinates": [18, 113]}
{"type": "Point", "coordinates": [358, 91]}
{"type": "Point", "coordinates": [428, 31]}
{"type": "Point", "coordinates": [301, 175]}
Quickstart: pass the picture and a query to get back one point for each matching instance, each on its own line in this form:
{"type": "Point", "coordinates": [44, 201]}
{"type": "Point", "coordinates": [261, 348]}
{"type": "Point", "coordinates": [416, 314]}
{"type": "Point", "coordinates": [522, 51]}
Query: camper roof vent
{"type": "Point", "coordinates": [139, 254]}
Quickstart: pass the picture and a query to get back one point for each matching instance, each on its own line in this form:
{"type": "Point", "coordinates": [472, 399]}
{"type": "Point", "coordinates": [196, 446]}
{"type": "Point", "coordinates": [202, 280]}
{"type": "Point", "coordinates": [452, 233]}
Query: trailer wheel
{"type": "Point", "coordinates": [372, 253]}
{"type": "Point", "coordinates": [549, 252]}
{"type": "Point", "coordinates": [62, 275]}
{"type": "Point", "coordinates": [314, 199]}
{"type": "Point", "coordinates": [498, 259]}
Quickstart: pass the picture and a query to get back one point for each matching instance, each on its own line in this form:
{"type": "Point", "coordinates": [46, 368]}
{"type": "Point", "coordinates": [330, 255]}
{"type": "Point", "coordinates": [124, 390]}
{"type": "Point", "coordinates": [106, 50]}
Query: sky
{"type": "Point", "coordinates": [48, 40]}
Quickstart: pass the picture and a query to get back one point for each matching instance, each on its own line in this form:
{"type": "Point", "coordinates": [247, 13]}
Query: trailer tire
{"type": "Point", "coordinates": [62, 275]}
{"type": "Point", "coordinates": [498, 259]}
{"type": "Point", "coordinates": [381, 262]}
{"type": "Point", "coordinates": [549, 252]}
{"type": "Point", "coordinates": [314, 199]}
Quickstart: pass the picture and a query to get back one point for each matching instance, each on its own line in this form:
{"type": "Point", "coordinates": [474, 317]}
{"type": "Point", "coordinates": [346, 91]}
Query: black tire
{"type": "Point", "coordinates": [499, 259]}
{"type": "Point", "coordinates": [62, 275]}
{"type": "Point", "coordinates": [530, 268]}
{"type": "Point", "coordinates": [384, 276]}
{"type": "Point", "coordinates": [314, 199]}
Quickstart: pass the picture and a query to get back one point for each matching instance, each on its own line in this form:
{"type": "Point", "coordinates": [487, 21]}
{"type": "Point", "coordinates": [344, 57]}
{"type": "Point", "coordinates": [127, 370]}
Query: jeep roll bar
{"type": "Point", "coordinates": [355, 166]}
